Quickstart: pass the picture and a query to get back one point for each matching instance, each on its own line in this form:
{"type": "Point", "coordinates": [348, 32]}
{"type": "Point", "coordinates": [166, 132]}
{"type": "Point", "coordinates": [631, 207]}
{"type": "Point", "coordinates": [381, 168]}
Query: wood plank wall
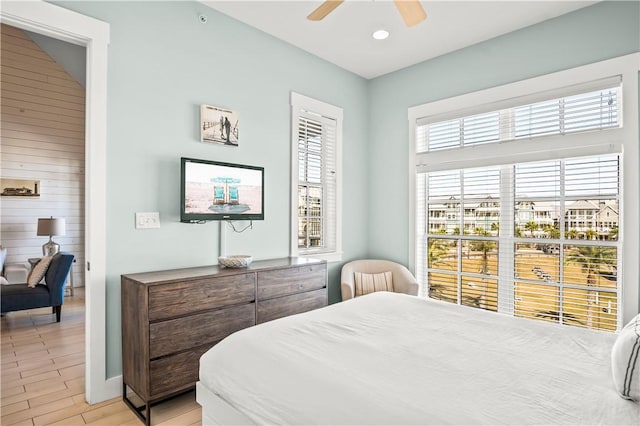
{"type": "Point", "coordinates": [42, 138]}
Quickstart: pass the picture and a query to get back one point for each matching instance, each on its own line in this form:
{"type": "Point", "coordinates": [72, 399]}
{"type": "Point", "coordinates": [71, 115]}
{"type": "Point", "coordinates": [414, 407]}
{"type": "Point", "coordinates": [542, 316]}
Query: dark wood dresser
{"type": "Point", "coordinates": [170, 318]}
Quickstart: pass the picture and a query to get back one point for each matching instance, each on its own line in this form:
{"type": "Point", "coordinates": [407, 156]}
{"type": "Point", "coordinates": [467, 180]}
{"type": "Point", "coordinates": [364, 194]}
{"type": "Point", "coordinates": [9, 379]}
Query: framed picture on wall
{"type": "Point", "coordinates": [19, 188]}
{"type": "Point", "coordinates": [218, 125]}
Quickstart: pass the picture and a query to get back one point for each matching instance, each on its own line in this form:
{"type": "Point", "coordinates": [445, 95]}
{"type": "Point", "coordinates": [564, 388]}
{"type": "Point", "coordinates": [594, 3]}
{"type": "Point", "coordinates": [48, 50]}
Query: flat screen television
{"type": "Point", "coordinates": [213, 190]}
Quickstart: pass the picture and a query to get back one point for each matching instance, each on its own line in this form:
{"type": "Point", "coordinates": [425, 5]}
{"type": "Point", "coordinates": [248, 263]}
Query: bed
{"type": "Point", "coordinates": [389, 358]}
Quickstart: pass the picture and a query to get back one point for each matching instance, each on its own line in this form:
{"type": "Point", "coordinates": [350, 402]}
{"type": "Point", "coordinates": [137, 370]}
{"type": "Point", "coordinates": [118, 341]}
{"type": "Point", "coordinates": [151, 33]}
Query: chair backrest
{"type": "Point", "coordinates": [56, 276]}
{"type": "Point", "coordinates": [369, 266]}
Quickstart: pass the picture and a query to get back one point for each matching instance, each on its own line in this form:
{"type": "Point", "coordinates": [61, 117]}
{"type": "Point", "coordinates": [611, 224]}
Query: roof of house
{"type": "Point", "coordinates": [583, 205]}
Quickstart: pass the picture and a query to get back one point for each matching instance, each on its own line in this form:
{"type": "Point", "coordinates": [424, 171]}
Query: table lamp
{"type": "Point", "coordinates": [50, 227]}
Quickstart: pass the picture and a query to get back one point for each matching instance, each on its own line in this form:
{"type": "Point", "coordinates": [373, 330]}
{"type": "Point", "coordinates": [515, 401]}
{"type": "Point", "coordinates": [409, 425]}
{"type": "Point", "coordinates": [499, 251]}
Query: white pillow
{"type": "Point", "coordinates": [38, 271]}
{"type": "Point", "coordinates": [3, 280]}
{"type": "Point", "coordinates": [368, 283]}
{"type": "Point", "coordinates": [625, 360]}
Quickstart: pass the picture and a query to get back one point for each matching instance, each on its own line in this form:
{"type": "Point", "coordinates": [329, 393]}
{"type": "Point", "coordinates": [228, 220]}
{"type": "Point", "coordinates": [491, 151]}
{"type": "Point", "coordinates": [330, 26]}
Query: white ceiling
{"type": "Point", "coordinates": [344, 36]}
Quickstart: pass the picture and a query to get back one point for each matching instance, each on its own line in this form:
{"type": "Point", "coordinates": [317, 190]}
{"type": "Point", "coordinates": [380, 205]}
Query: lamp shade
{"type": "Point", "coordinates": [51, 226]}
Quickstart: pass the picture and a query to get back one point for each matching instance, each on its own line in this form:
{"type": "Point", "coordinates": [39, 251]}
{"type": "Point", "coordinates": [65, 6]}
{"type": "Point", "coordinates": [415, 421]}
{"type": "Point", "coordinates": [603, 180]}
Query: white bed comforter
{"type": "Point", "coordinates": [388, 358]}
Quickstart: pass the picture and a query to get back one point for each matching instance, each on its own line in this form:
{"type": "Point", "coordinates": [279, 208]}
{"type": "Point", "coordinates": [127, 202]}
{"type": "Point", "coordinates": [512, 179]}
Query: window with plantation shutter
{"type": "Point", "coordinates": [586, 111]}
{"type": "Point", "coordinates": [462, 212]}
{"type": "Point", "coordinates": [593, 110]}
{"type": "Point", "coordinates": [566, 246]}
{"type": "Point", "coordinates": [535, 236]}
{"type": "Point", "coordinates": [556, 223]}
{"type": "Point", "coordinates": [465, 131]}
{"type": "Point", "coordinates": [316, 135]}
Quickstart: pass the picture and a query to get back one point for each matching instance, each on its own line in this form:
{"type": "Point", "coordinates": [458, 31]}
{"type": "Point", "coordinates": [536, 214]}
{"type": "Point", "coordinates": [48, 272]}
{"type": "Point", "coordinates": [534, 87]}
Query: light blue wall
{"type": "Point", "coordinates": [592, 34]}
{"type": "Point", "coordinates": [163, 63]}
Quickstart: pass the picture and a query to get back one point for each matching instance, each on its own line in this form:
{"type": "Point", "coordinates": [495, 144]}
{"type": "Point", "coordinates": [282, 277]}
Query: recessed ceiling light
{"type": "Point", "coordinates": [380, 34]}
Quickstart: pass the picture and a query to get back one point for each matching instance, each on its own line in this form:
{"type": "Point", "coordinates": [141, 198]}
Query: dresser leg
{"type": "Point", "coordinates": [146, 418]}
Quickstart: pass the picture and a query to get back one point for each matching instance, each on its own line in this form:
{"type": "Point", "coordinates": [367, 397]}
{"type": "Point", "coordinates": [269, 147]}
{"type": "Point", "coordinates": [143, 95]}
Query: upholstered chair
{"type": "Point", "coordinates": [403, 280]}
{"type": "Point", "coordinates": [17, 297]}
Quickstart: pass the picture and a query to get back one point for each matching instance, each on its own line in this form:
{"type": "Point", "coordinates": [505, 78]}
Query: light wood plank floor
{"type": "Point", "coordinates": [42, 374]}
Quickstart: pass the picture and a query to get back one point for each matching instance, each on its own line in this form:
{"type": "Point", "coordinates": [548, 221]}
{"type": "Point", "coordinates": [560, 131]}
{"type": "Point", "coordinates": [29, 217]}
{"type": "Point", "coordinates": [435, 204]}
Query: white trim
{"type": "Point", "coordinates": [549, 83]}
{"type": "Point", "coordinates": [56, 22]}
{"type": "Point", "coordinates": [299, 102]}
{"type": "Point", "coordinates": [413, 241]}
{"type": "Point", "coordinates": [335, 256]}
{"type": "Point", "coordinates": [624, 138]}
{"type": "Point", "coordinates": [630, 201]}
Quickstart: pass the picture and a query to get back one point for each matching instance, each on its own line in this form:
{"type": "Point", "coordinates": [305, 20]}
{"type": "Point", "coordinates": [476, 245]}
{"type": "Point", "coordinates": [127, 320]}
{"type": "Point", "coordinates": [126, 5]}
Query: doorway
{"type": "Point", "coordinates": [43, 148]}
{"type": "Point", "coordinates": [59, 23]}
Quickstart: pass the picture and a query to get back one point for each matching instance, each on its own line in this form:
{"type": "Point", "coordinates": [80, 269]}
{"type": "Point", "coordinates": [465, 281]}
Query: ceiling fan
{"type": "Point", "coordinates": [411, 10]}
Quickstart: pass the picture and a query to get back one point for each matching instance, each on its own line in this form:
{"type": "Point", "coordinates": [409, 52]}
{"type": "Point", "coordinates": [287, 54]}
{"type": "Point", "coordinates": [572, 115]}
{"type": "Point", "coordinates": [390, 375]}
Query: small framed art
{"type": "Point", "coordinates": [19, 188]}
{"type": "Point", "coordinates": [218, 125]}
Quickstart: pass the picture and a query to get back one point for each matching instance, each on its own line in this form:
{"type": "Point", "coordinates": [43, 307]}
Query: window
{"type": "Point", "coordinates": [316, 178]}
{"type": "Point", "coordinates": [594, 110]}
{"type": "Point", "coordinates": [518, 199]}
{"type": "Point", "coordinates": [525, 215]}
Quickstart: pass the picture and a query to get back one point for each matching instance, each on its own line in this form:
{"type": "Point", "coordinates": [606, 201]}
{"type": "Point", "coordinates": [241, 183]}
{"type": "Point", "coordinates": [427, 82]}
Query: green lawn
{"type": "Point", "coordinates": [537, 300]}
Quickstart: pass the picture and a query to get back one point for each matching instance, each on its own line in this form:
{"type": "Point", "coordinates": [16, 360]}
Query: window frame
{"type": "Point", "coordinates": [563, 83]}
{"type": "Point", "coordinates": [300, 103]}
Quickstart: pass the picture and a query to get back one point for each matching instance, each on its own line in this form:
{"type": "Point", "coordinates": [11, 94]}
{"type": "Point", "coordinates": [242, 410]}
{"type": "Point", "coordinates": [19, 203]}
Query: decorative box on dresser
{"type": "Point", "coordinates": [170, 318]}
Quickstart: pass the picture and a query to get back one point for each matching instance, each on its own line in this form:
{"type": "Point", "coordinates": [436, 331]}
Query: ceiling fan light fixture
{"type": "Point", "coordinates": [380, 34]}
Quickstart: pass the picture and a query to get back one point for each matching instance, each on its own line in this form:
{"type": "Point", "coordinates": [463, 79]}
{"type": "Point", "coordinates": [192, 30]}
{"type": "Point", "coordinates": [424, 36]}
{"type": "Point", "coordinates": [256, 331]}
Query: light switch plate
{"type": "Point", "coordinates": [146, 220]}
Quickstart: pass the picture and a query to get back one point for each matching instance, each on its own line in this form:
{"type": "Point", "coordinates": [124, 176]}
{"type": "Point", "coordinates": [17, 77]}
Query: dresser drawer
{"type": "Point", "coordinates": [289, 305]}
{"type": "Point", "coordinates": [171, 300]}
{"type": "Point", "coordinates": [283, 282]}
{"type": "Point", "coordinates": [166, 337]}
{"type": "Point", "coordinates": [175, 372]}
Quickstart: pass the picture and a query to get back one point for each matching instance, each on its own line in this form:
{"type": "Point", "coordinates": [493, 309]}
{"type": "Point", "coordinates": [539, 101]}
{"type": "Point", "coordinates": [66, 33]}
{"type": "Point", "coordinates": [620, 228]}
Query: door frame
{"type": "Point", "coordinates": [63, 24]}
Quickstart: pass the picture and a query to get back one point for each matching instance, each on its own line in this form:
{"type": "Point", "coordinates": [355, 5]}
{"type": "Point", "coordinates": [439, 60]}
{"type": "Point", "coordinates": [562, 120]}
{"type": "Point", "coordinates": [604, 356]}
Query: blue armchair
{"type": "Point", "coordinates": [17, 297]}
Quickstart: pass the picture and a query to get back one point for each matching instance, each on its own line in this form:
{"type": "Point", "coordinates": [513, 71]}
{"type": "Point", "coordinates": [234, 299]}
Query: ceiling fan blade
{"type": "Point", "coordinates": [324, 9]}
{"type": "Point", "coordinates": [411, 10]}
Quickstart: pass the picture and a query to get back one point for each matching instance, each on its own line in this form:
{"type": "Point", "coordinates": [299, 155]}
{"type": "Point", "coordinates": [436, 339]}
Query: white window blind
{"type": "Point", "coordinates": [591, 110]}
{"type": "Point", "coordinates": [316, 221]}
{"type": "Point", "coordinates": [554, 224]}
{"type": "Point", "coordinates": [316, 182]}
{"type": "Point", "coordinates": [586, 111]}
{"type": "Point", "coordinates": [566, 257]}
{"type": "Point", "coordinates": [461, 245]}
{"type": "Point", "coordinates": [474, 130]}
